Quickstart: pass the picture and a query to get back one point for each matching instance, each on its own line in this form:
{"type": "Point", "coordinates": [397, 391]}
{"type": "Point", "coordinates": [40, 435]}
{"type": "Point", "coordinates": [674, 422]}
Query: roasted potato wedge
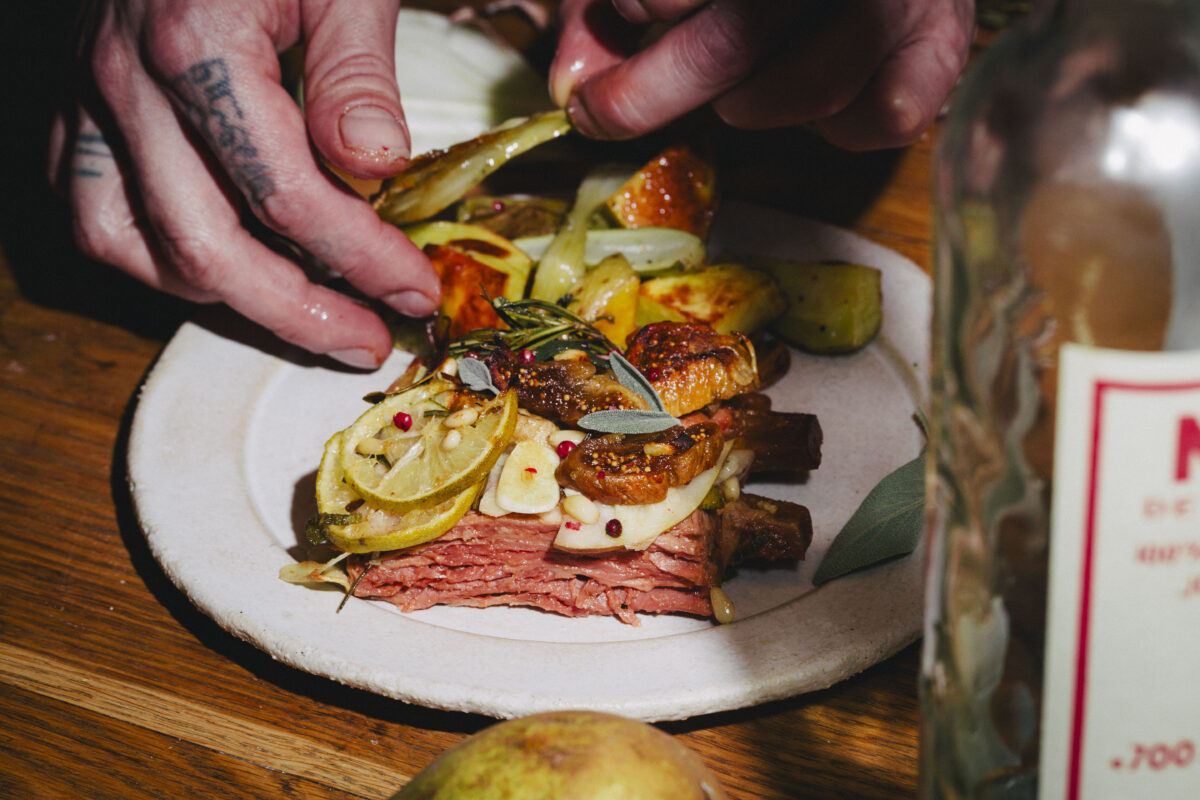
{"type": "Point", "coordinates": [481, 244]}
{"type": "Point", "coordinates": [676, 189]}
{"type": "Point", "coordinates": [608, 298]}
{"type": "Point", "coordinates": [466, 285]}
{"type": "Point", "coordinates": [474, 264]}
{"type": "Point", "coordinates": [832, 306]}
{"type": "Point", "coordinates": [729, 297]}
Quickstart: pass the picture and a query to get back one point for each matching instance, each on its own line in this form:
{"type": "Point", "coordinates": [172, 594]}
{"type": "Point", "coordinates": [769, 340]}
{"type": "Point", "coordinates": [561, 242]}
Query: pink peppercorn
{"type": "Point", "coordinates": [402, 420]}
{"type": "Point", "coordinates": [497, 206]}
{"type": "Point", "coordinates": [572, 524]}
{"type": "Point", "coordinates": [564, 448]}
{"type": "Point", "coordinates": [653, 374]}
{"type": "Point", "coordinates": [613, 528]}
{"type": "Point", "coordinates": [526, 356]}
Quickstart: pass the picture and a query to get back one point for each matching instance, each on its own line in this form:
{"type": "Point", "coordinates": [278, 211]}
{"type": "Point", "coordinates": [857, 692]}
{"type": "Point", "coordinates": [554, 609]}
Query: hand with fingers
{"type": "Point", "coordinates": [183, 135]}
{"type": "Point", "coordinates": [864, 74]}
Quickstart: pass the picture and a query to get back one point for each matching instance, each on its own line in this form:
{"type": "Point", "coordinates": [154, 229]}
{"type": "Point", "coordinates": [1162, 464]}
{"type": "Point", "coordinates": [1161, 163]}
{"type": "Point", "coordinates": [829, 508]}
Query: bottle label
{"type": "Point", "coordinates": [1121, 712]}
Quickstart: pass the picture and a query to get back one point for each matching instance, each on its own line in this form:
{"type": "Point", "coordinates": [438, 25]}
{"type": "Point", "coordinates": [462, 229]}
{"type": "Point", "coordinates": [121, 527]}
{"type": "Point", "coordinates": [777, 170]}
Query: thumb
{"type": "Point", "coordinates": [351, 98]}
{"type": "Point", "coordinates": [592, 38]}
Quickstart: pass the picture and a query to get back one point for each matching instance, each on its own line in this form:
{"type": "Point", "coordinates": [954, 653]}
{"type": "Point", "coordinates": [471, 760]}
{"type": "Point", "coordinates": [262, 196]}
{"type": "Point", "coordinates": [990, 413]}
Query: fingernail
{"type": "Point", "coordinates": [374, 129]}
{"type": "Point", "coordinates": [582, 119]}
{"type": "Point", "coordinates": [356, 357]}
{"type": "Point", "coordinates": [563, 79]}
{"type": "Point", "coordinates": [411, 303]}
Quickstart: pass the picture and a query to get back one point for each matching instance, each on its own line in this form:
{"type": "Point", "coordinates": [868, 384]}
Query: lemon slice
{"type": "Point", "coordinates": [368, 529]}
{"type": "Point", "coordinates": [334, 495]}
{"type": "Point", "coordinates": [404, 453]}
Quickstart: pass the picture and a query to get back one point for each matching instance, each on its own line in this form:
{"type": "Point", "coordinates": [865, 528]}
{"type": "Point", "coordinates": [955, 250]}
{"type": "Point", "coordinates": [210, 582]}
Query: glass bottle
{"type": "Point", "coordinates": [1067, 212]}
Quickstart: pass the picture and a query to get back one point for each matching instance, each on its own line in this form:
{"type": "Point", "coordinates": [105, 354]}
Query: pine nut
{"type": "Point", "coordinates": [723, 609]}
{"type": "Point", "coordinates": [452, 439]}
{"type": "Point", "coordinates": [730, 489]}
{"type": "Point", "coordinates": [462, 417]}
{"type": "Point", "coordinates": [560, 436]}
{"type": "Point", "coordinates": [370, 446]}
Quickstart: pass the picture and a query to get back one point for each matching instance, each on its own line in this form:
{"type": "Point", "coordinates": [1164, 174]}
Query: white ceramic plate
{"type": "Point", "coordinates": [456, 81]}
{"type": "Point", "coordinates": [227, 436]}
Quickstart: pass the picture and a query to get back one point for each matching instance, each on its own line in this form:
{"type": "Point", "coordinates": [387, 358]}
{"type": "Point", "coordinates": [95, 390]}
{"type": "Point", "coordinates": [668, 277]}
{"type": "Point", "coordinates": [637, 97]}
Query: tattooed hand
{"type": "Point", "coordinates": [864, 74]}
{"type": "Point", "coordinates": [184, 159]}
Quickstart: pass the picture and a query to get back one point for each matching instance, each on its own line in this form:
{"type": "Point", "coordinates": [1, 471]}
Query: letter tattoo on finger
{"type": "Point", "coordinates": [210, 102]}
{"type": "Point", "coordinates": [92, 156]}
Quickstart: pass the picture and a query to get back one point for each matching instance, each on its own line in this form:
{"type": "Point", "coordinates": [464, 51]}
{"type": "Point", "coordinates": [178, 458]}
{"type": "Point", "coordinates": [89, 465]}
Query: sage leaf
{"type": "Point", "coordinates": [887, 524]}
{"type": "Point", "coordinates": [476, 376]}
{"type": "Point", "coordinates": [625, 420]}
{"type": "Point", "coordinates": [632, 379]}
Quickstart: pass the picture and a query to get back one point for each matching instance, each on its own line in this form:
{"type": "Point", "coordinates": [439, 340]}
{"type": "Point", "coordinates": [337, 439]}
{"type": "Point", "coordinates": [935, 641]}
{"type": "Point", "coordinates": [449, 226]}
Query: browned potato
{"type": "Point", "coordinates": [729, 297]}
{"type": "Point", "coordinates": [482, 245]}
{"type": "Point", "coordinates": [464, 282]}
{"type": "Point", "coordinates": [608, 298]}
{"type": "Point", "coordinates": [677, 189]}
{"type": "Point", "coordinates": [832, 306]}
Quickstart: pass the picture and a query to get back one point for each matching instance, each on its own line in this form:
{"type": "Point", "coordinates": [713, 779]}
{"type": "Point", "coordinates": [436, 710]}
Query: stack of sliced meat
{"type": "Point", "coordinates": [487, 561]}
{"type": "Point", "coordinates": [711, 380]}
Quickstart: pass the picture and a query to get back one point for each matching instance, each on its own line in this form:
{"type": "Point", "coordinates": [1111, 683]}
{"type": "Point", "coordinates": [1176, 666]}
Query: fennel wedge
{"type": "Point", "coordinates": [436, 180]}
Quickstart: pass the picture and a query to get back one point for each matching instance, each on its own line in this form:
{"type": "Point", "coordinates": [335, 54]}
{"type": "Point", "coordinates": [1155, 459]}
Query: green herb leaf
{"type": "Point", "coordinates": [531, 325]}
{"type": "Point", "coordinates": [632, 379]}
{"type": "Point", "coordinates": [476, 376]}
{"type": "Point", "coordinates": [550, 349]}
{"type": "Point", "coordinates": [314, 529]}
{"type": "Point", "coordinates": [887, 524]}
{"type": "Point", "coordinates": [625, 420]}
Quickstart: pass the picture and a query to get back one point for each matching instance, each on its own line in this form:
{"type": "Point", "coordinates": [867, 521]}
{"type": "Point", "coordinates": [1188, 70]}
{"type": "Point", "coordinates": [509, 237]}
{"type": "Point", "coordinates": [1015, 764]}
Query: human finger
{"type": "Point", "coordinates": [106, 228]}
{"type": "Point", "coordinates": [641, 12]}
{"type": "Point", "coordinates": [257, 135]}
{"type": "Point", "coordinates": [593, 37]}
{"type": "Point", "coordinates": [55, 157]}
{"type": "Point", "coordinates": [191, 208]}
{"type": "Point", "coordinates": [351, 99]}
{"type": "Point", "coordinates": [906, 93]}
{"type": "Point", "coordinates": [199, 237]}
{"type": "Point", "coordinates": [692, 63]}
{"type": "Point", "coordinates": [886, 96]}
{"type": "Point", "coordinates": [810, 77]}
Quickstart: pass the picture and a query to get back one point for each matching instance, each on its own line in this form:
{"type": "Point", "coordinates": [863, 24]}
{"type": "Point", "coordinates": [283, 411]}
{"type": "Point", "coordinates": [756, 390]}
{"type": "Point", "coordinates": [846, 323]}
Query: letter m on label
{"type": "Point", "coordinates": [1189, 447]}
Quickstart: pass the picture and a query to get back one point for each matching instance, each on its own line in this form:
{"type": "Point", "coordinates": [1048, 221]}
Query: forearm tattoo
{"type": "Point", "coordinates": [91, 153]}
{"type": "Point", "coordinates": [209, 101]}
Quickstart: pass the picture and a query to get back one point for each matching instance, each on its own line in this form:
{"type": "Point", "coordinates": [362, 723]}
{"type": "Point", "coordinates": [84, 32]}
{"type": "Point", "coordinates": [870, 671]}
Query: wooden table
{"type": "Point", "coordinates": [113, 685]}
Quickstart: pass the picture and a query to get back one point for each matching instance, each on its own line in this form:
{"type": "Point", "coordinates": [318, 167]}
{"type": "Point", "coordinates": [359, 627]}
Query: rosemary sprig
{"type": "Point", "coordinates": [533, 325]}
{"type": "Point", "coordinates": [353, 586]}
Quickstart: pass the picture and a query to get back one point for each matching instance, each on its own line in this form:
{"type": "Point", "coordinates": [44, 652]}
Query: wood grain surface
{"type": "Point", "coordinates": [113, 685]}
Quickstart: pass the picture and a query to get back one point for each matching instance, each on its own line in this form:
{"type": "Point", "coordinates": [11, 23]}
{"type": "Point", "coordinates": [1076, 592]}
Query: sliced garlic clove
{"type": "Point", "coordinates": [527, 484]}
{"type": "Point", "coordinates": [487, 500]}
